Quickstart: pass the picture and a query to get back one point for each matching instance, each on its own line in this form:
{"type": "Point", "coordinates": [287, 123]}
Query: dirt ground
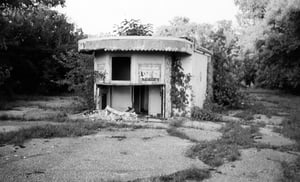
{"type": "Point", "coordinates": [128, 154]}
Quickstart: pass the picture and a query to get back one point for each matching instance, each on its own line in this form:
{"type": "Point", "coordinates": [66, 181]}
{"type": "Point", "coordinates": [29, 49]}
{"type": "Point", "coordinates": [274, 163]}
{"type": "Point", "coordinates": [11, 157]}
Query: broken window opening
{"type": "Point", "coordinates": [121, 68]}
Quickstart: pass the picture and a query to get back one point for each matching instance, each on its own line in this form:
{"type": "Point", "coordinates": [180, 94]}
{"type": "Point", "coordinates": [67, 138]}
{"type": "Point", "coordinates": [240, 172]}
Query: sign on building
{"type": "Point", "coordinates": [149, 73]}
{"type": "Point", "coordinates": [100, 67]}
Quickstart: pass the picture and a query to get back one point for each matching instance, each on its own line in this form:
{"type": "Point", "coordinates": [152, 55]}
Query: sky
{"type": "Point", "coordinates": [100, 16]}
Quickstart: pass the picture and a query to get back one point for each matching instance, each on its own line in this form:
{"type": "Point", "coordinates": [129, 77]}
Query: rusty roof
{"type": "Point", "coordinates": [138, 43]}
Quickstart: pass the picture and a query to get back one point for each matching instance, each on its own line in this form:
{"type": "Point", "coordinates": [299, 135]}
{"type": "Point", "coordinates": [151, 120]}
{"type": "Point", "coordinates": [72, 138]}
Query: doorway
{"type": "Point", "coordinates": [141, 99]}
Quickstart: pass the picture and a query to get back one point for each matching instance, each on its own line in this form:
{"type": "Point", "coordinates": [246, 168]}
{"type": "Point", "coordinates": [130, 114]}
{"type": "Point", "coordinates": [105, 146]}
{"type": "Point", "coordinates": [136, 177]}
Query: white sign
{"type": "Point", "coordinates": [100, 67]}
{"type": "Point", "coordinates": [149, 72]}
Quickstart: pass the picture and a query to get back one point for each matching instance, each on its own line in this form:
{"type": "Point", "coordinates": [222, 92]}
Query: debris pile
{"type": "Point", "coordinates": [111, 114]}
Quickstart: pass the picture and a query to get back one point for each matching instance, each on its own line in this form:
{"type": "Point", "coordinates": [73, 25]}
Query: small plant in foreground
{"type": "Point", "coordinates": [172, 131]}
{"type": "Point", "coordinates": [291, 171]}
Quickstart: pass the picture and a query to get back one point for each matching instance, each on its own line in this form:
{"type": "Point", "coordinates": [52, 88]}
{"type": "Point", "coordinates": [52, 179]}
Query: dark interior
{"type": "Point", "coordinates": [140, 104]}
{"type": "Point", "coordinates": [121, 68]}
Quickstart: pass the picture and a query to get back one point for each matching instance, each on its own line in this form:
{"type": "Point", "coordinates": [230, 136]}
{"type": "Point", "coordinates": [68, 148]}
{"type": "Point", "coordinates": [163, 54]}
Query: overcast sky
{"type": "Point", "coordinates": [96, 16]}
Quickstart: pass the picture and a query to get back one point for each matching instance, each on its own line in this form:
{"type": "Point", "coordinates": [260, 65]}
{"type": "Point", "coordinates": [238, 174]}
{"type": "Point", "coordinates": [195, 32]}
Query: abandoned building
{"type": "Point", "coordinates": [157, 76]}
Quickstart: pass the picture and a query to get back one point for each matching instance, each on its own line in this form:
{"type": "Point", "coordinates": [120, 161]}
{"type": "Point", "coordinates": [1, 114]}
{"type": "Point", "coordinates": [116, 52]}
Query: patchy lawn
{"type": "Point", "coordinates": [40, 108]}
{"type": "Point", "coordinates": [216, 152]}
{"type": "Point", "coordinates": [70, 129]}
{"type": "Point", "coordinates": [218, 146]}
{"type": "Point", "coordinates": [192, 174]}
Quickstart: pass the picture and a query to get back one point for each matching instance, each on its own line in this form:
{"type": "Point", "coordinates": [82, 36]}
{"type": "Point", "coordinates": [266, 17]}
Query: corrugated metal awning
{"type": "Point", "coordinates": [137, 43]}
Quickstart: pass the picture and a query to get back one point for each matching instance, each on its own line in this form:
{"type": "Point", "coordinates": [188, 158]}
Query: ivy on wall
{"type": "Point", "coordinates": [100, 75]}
{"type": "Point", "coordinates": [179, 86]}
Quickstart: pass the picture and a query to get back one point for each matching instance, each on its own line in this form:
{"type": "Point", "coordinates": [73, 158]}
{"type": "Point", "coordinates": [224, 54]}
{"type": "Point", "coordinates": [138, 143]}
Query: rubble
{"type": "Point", "coordinates": [111, 114]}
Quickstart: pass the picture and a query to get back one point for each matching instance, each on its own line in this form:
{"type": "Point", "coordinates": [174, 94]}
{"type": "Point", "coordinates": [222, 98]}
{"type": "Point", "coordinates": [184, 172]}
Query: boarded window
{"type": "Point", "coordinates": [120, 68]}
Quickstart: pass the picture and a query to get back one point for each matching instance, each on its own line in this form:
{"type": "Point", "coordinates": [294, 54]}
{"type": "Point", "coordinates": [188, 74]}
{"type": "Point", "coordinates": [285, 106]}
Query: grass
{"type": "Point", "coordinates": [290, 128]}
{"type": "Point", "coordinates": [172, 131]}
{"type": "Point", "coordinates": [191, 174]}
{"type": "Point", "coordinates": [59, 116]}
{"type": "Point", "coordinates": [216, 152]}
{"type": "Point", "coordinates": [246, 115]}
{"type": "Point", "coordinates": [176, 122]}
{"type": "Point", "coordinates": [291, 171]}
{"type": "Point", "coordinates": [252, 109]}
{"type": "Point", "coordinates": [71, 129]}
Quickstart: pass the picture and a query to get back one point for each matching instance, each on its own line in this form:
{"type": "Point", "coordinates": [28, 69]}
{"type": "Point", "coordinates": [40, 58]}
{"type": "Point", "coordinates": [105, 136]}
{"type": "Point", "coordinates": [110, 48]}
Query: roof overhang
{"type": "Point", "coordinates": [137, 43]}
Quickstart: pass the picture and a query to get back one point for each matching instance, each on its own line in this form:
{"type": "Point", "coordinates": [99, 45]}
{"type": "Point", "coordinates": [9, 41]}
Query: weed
{"type": "Point", "coordinates": [291, 171]}
{"type": "Point", "coordinates": [291, 126]}
{"type": "Point", "coordinates": [191, 174]}
{"type": "Point", "coordinates": [233, 133]}
{"type": "Point", "coordinates": [176, 122]}
{"type": "Point", "coordinates": [172, 131]}
{"type": "Point", "coordinates": [204, 114]}
{"type": "Point", "coordinates": [216, 152]}
{"type": "Point", "coordinates": [246, 115]}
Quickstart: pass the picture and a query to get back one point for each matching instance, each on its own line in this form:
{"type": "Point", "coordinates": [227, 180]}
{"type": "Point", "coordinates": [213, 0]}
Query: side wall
{"type": "Point", "coordinates": [199, 78]}
{"type": "Point", "coordinates": [196, 65]}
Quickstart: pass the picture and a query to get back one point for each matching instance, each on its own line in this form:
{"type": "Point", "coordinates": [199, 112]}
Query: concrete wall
{"type": "Point", "coordinates": [154, 100]}
{"type": "Point", "coordinates": [121, 98]}
{"type": "Point", "coordinates": [167, 101]}
{"type": "Point", "coordinates": [196, 65]}
{"type": "Point", "coordinates": [199, 78]}
{"type": "Point", "coordinates": [103, 63]}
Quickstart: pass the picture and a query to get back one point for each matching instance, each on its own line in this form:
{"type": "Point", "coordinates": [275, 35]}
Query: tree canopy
{"type": "Point", "coordinates": [133, 27]}
{"type": "Point", "coordinates": [271, 42]}
{"type": "Point", "coordinates": [222, 40]}
{"type": "Point", "coordinates": [33, 38]}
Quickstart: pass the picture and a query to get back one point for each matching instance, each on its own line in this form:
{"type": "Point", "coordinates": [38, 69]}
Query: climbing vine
{"type": "Point", "coordinates": [100, 75]}
{"type": "Point", "coordinates": [179, 86]}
